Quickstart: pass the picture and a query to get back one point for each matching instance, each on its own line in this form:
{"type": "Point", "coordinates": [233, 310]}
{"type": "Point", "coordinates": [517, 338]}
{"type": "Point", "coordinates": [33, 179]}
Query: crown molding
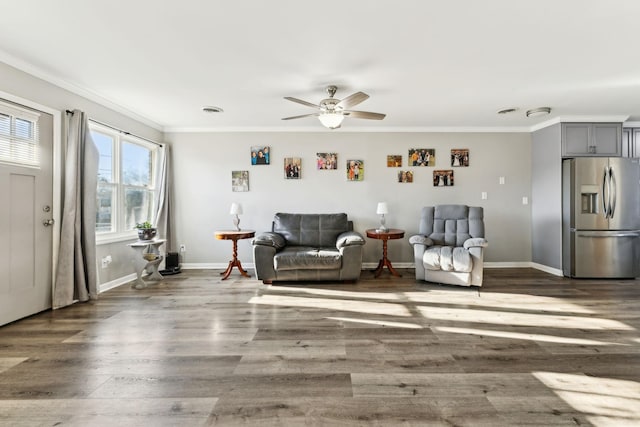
{"type": "Point", "coordinates": [317, 129]}
{"type": "Point", "coordinates": [32, 70]}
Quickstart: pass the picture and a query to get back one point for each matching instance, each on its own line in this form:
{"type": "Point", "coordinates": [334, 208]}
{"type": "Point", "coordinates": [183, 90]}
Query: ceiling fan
{"type": "Point", "coordinates": [332, 111]}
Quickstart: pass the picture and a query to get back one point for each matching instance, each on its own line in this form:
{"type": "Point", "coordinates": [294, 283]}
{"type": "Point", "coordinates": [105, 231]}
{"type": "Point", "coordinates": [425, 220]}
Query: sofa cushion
{"type": "Point", "coordinates": [319, 230]}
{"type": "Point", "coordinates": [307, 258]}
{"type": "Point", "coordinates": [447, 258]}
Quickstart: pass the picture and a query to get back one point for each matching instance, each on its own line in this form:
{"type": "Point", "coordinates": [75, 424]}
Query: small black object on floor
{"type": "Point", "coordinates": [170, 271]}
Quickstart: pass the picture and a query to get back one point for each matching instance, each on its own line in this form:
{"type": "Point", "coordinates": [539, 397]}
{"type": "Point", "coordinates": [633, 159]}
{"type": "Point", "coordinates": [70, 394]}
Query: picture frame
{"type": "Point", "coordinates": [239, 181]}
{"type": "Point", "coordinates": [405, 176]}
{"type": "Point", "coordinates": [421, 157]}
{"type": "Point", "coordinates": [327, 161]}
{"type": "Point", "coordinates": [292, 167]}
{"type": "Point", "coordinates": [459, 157]}
{"type": "Point", "coordinates": [443, 178]}
{"type": "Point", "coordinates": [394, 160]}
{"type": "Point", "coordinates": [260, 155]}
{"type": "Point", "coordinates": [355, 170]}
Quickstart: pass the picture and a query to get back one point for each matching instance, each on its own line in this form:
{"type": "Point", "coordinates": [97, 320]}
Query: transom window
{"type": "Point", "coordinates": [19, 136]}
{"type": "Point", "coordinates": [126, 182]}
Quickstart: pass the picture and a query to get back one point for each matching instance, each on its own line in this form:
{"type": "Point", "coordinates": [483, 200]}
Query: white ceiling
{"type": "Point", "coordinates": [426, 64]}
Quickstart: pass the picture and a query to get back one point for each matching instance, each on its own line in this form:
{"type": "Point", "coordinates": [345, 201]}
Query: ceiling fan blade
{"type": "Point", "coordinates": [364, 115]}
{"type": "Point", "coordinates": [299, 117]}
{"type": "Point", "coordinates": [300, 101]}
{"type": "Point", "coordinates": [352, 100]}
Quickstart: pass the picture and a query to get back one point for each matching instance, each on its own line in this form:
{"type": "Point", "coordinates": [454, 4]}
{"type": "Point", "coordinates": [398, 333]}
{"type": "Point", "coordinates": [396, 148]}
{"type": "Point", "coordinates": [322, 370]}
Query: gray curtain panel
{"type": "Point", "coordinates": [76, 274]}
{"type": "Point", "coordinates": [163, 217]}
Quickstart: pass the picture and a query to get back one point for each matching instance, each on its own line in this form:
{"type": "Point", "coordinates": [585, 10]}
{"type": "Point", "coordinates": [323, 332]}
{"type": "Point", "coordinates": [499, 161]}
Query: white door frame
{"type": "Point", "coordinates": [57, 173]}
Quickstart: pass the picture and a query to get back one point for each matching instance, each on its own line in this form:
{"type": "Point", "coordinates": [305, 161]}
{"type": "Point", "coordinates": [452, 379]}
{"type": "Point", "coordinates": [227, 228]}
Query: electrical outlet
{"type": "Point", "coordinates": [501, 180]}
{"type": "Point", "coordinates": [106, 261]}
{"type": "Point", "coordinates": [183, 248]}
{"type": "Point", "coordinates": [525, 200]}
{"type": "Point", "coordinates": [483, 196]}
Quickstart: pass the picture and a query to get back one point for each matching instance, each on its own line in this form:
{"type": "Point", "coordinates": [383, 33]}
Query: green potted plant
{"type": "Point", "coordinates": [146, 230]}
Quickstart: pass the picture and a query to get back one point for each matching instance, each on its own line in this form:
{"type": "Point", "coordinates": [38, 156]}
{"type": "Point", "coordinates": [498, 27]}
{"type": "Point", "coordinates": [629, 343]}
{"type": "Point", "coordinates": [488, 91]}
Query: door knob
{"type": "Point", "coordinates": [48, 222]}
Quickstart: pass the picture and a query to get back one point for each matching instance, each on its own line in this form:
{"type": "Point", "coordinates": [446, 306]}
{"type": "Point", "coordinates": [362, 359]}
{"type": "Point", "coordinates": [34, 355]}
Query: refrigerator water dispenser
{"type": "Point", "coordinates": [589, 199]}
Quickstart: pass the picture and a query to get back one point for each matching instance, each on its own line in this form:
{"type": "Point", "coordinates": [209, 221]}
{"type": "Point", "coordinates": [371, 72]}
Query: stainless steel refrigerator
{"type": "Point", "coordinates": [601, 217]}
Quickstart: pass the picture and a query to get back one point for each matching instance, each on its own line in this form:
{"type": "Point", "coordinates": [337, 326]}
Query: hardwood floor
{"type": "Point", "coordinates": [528, 348]}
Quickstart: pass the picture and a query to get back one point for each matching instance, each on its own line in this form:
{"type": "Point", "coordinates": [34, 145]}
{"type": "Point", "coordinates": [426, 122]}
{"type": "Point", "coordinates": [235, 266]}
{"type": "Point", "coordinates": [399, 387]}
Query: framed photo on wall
{"type": "Point", "coordinates": [405, 176]}
{"type": "Point", "coordinates": [239, 181]}
{"type": "Point", "coordinates": [422, 157]}
{"type": "Point", "coordinates": [292, 167]}
{"type": "Point", "coordinates": [460, 157]}
{"type": "Point", "coordinates": [327, 161]}
{"type": "Point", "coordinates": [443, 178]}
{"type": "Point", "coordinates": [260, 155]}
{"type": "Point", "coordinates": [355, 170]}
{"type": "Point", "coordinates": [394, 161]}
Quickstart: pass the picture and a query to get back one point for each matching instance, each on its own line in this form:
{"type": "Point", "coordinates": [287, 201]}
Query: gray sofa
{"type": "Point", "coordinates": [450, 246]}
{"type": "Point", "coordinates": [309, 247]}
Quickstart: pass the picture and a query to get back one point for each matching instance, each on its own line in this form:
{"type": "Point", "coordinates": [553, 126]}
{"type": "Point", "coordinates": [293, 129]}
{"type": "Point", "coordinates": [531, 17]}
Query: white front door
{"type": "Point", "coordinates": [25, 237]}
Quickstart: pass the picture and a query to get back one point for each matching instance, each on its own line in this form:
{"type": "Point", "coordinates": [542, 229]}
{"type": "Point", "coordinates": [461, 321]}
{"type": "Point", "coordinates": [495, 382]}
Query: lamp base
{"type": "Point", "coordinates": [236, 222]}
{"type": "Point", "coordinates": [383, 228]}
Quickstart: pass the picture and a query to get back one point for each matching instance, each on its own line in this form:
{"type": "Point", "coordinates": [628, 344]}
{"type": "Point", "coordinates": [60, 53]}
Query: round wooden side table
{"type": "Point", "coordinates": [392, 233]}
{"type": "Point", "coordinates": [235, 236]}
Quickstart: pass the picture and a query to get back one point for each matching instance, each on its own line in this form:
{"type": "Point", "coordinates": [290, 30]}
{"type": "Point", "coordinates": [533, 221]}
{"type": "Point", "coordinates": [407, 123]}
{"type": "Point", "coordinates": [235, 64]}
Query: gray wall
{"type": "Point", "coordinates": [546, 195]}
{"type": "Point", "coordinates": [203, 163]}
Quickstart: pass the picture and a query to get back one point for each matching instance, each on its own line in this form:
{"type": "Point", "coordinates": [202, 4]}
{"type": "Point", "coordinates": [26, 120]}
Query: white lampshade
{"type": "Point", "coordinates": [236, 209]}
{"type": "Point", "coordinates": [331, 120]}
{"type": "Point", "coordinates": [382, 208]}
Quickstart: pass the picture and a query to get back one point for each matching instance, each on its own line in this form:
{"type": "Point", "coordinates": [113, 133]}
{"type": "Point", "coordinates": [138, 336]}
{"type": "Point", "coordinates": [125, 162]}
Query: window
{"type": "Point", "coordinates": [126, 182]}
{"type": "Point", "coordinates": [18, 136]}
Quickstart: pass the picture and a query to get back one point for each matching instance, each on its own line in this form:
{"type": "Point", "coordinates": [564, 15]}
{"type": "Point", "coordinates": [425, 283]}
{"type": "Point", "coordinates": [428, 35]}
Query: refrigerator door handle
{"type": "Point", "coordinates": [612, 192]}
{"type": "Point", "coordinates": [608, 234]}
{"type": "Point", "coordinates": [605, 204]}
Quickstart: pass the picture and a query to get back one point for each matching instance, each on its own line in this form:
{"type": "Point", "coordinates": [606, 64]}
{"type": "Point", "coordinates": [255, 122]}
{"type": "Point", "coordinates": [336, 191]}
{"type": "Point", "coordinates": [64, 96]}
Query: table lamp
{"type": "Point", "coordinates": [382, 210]}
{"type": "Point", "coordinates": [236, 209]}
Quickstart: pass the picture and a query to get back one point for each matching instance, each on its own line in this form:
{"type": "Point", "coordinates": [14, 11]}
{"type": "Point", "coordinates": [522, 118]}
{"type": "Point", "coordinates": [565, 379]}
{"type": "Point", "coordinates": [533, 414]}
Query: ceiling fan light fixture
{"type": "Point", "coordinates": [331, 120]}
{"type": "Point", "coordinates": [537, 112]}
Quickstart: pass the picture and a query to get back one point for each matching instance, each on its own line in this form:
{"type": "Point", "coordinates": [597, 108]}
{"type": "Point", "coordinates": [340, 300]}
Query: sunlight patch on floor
{"type": "Point", "coordinates": [521, 336]}
{"type": "Point", "coordinates": [499, 300]}
{"type": "Point", "coordinates": [606, 401]}
{"type": "Point", "coordinates": [10, 362]}
{"type": "Point", "coordinates": [520, 319]}
{"type": "Point", "coordinates": [377, 322]}
{"type": "Point", "coordinates": [334, 304]}
{"type": "Point", "coordinates": [336, 293]}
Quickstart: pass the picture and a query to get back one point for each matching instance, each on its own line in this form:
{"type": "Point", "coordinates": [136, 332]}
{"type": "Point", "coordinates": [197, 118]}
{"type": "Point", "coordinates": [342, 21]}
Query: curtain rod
{"type": "Point", "coordinates": [120, 130]}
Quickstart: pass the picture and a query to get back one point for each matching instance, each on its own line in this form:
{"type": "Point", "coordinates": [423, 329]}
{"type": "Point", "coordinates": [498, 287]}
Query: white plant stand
{"type": "Point", "coordinates": [141, 264]}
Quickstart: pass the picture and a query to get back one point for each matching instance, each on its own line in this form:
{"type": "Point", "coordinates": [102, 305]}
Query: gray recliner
{"type": "Point", "coordinates": [450, 246]}
{"type": "Point", "coordinates": [308, 247]}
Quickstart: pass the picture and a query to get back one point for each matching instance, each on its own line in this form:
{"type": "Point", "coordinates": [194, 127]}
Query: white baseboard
{"type": "Point", "coordinates": [366, 266]}
{"type": "Point", "coordinates": [547, 269]}
{"type": "Point", "coordinates": [517, 264]}
{"type": "Point", "coordinates": [118, 282]}
{"type": "Point", "coordinates": [524, 264]}
{"type": "Point", "coordinates": [370, 265]}
{"type": "Point", "coordinates": [210, 265]}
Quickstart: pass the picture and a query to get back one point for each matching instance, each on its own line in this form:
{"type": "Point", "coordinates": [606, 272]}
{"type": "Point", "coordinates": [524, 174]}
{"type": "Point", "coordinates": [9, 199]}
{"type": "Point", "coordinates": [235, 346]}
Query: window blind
{"type": "Point", "coordinates": [19, 136]}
